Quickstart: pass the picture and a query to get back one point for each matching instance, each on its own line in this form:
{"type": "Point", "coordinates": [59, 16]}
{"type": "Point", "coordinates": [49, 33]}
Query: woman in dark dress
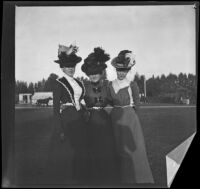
{"type": "Point", "coordinates": [68, 152]}
{"type": "Point", "coordinates": [102, 158]}
{"type": "Point", "coordinates": [128, 132]}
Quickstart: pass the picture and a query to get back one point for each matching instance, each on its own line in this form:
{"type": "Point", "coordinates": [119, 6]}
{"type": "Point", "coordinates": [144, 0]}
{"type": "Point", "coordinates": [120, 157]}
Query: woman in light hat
{"type": "Point", "coordinates": [68, 149]}
{"type": "Point", "coordinates": [103, 161]}
{"type": "Point", "coordinates": [128, 132]}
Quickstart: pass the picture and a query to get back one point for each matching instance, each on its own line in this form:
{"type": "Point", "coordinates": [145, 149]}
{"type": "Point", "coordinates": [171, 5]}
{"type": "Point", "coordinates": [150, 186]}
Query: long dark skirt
{"type": "Point", "coordinates": [103, 166]}
{"type": "Point", "coordinates": [68, 159]}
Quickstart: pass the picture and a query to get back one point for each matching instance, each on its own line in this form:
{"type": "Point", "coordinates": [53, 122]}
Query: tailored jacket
{"type": "Point", "coordinates": [63, 93]}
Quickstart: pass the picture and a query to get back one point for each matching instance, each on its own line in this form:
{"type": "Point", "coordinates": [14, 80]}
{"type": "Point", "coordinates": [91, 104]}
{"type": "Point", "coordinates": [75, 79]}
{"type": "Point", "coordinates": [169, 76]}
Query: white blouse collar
{"type": "Point", "coordinates": [68, 77]}
{"type": "Point", "coordinates": [120, 84]}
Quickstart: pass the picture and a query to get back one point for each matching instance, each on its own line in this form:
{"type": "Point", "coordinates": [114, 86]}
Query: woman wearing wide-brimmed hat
{"type": "Point", "coordinates": [69, 153]}
{"type": "Point", "coordinates": [103, 161]}
{"type": "Point", "coordinates": [128, 132]}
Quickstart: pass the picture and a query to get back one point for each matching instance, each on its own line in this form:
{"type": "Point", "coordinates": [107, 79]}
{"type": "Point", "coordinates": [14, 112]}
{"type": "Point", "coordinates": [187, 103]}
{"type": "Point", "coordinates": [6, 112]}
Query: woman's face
{"type": "Point", "coordinates": [69, 71]}
{"type": "Point", "coordinates": [121, 74]}
{"type": "Point", "coordinates": [95, 78]}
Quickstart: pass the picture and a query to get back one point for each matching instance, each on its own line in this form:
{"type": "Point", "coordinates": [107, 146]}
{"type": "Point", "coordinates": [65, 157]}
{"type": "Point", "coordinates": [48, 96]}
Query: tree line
{"type": "Point", "coordinates": [45, 85]}
{"type": "Point", "coordinates": [170, 88]}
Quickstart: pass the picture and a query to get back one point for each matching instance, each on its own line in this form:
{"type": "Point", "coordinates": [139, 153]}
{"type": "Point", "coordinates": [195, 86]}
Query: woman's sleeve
{"type": "Point", "coordinates": [109, 97]}
{"type": "Point", "coordinates": [56, 106]}
{"type": "Point", "coordinates": [136, 97]}
{"type": "Point", "coordinates": [86, 98]}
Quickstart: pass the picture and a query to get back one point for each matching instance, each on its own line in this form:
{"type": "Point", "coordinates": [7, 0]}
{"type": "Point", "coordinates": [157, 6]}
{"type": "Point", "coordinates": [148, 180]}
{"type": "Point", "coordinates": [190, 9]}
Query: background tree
{"type": "Point", "coordinates": [39, 86]}
{"type": "Point", "coordinates": [158, 88]}
{"type": "Point", "coordinates": [137, 79]}
{"type": "Point", "coordinates": [31, 88]}
{"type": "Point", "coordinates": [21, 87]}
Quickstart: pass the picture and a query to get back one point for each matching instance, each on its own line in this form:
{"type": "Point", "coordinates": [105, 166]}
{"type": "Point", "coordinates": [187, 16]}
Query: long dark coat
{"type": "Point", "coordinates": [103, 166]}
{"type": "Point", "coordinates": [68, 158]}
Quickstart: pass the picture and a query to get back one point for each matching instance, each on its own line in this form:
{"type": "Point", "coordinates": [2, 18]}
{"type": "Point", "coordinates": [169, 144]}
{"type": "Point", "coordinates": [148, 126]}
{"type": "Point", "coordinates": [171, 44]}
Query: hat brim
{"type": "Point", "coordinates": [93, 70]}
{"type": "Point", "coordinates": [69, 63]}
{"type": "Point", "coordinates": [115, 64]}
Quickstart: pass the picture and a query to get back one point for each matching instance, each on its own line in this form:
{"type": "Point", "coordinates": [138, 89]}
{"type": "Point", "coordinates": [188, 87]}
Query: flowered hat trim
{"type": "Point", "coordinates": [67, 56]}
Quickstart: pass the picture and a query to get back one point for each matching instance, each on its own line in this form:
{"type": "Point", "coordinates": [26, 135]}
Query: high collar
{"type": "Point", "coordinates": [120, 84]}
{"type": "Point", "coordinates": [124, 82]}
{"type": "Point", "coordinates": [68, 77]}
{"type": "Point", "coordinates": [97, 84]}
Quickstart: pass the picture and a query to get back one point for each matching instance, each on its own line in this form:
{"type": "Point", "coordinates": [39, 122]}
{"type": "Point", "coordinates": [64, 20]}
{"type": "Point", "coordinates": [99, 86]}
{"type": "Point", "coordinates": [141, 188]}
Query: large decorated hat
{"type": "Point", "coordinates": [67, 56]}
{"type": "Point", "coordinates": [95, 62]}
{"type": "Point", "coordinates": [124, 60]}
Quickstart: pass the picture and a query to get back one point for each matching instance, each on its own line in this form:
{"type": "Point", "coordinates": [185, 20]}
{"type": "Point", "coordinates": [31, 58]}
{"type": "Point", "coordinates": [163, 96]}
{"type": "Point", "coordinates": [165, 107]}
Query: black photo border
{"type": "Point", "coordinates": [189, 166]}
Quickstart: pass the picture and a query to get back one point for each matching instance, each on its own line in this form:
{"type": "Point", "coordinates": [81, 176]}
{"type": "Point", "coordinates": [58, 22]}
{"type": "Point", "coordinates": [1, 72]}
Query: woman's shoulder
{"type": "Point", "coordinates": [59, 81]}
{"type": "Point", "coordinates": [86, 83]}
{"type": "Point", "coordinates": [106, 83]}
{"type": "Point", "coordinates": [134, 84]}
{"type": "Point", "coordinates": [134, 87]}
{"type": "Point", "coordinates": [57, 84]}
{"type": "Point", "coordinates": [109, 83]}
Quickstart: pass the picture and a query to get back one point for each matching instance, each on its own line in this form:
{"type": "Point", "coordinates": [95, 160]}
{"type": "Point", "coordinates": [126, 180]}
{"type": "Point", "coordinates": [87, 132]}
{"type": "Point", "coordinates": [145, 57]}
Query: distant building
{"type": "Point", "coordinates": [42, 95]}
{"type": "Point", "coordinates": [143, 99]}
{"type": "Point", "coordinates": [25, 98]}
{"type": "Point", "coordinates": [185, 101]}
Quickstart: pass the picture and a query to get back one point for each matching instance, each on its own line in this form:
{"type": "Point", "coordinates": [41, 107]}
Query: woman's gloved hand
{"type": "Point", "coordinates": [85, 113]}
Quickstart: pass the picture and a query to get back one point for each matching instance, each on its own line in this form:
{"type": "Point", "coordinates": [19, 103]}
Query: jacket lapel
{"type": "Point", "coordinates": [68, 87]}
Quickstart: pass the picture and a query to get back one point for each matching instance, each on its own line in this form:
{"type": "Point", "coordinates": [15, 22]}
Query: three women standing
{"type": "Point", "coordinates": [106, 149]}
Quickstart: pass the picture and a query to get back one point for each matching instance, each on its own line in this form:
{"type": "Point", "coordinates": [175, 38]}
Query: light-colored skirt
{"type": "Point", "coordinates": [130, 146]}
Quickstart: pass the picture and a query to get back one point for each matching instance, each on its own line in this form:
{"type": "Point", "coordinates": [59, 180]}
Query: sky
{"type": "Point", "coordinates": [161, 37]}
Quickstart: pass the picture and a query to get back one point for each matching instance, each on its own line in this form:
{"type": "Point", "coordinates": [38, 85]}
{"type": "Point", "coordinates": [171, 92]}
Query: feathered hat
{"type": "Point", "coordinates": [95, 62]}
{"type": "Point", "coordinates": [67, 56]}
{"type": "Point", "coordinates": [124, 60]}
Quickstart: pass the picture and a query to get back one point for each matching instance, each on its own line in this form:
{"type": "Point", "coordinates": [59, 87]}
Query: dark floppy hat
{"type": "Point", "coordinates": [124, 60]}
{"type": "Point", "coordinates": [67, 56]}
{"type": "Point", "coordinates": [95, 62]}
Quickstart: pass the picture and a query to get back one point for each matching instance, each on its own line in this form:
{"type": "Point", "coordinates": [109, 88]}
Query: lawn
{"type": "Point", "coordinates": [164, 129]}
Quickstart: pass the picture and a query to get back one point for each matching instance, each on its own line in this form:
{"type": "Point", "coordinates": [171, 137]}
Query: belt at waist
{"type": "Point", "coordinates": [95, 108]}
{"type": "Point", "coordinates": [125, 106]}
{"type": "Point", "coordinates": [63, 106]}
{"type": "Point", "coordinates": [67, 104]}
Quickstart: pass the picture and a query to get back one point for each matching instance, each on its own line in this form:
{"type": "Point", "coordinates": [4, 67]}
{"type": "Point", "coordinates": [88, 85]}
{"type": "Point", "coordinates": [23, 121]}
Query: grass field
{"type": "Point", "coordinates": [164, 129]}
